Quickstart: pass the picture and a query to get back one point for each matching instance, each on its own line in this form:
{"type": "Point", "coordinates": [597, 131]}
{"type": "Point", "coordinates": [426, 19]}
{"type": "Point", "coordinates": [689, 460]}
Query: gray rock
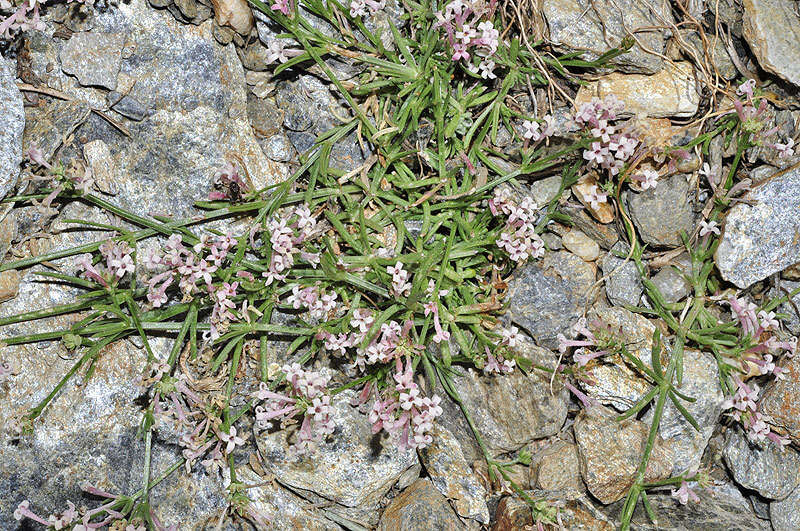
{"type": "Point", "coordinates": [450, 473]}
{"type": "Point", "coordinates": [723, 507]}
{"type": "Point", "coordinates": [672, 284]}
{"type": "Point", "coordinates": [772, 29]}
{"type": "Point", "coordinates": [285, 510]}
{"type": "Point", "coordinates": [773, 472]}
{"type": "Point", "coordinates": [761, 238]}
{"type": "Point", "coordinates": [785, 514]}
{"type": "Point", "coordinates": [660, 214]}
{"type": "Point", "coordinates": [353, 467]}
{"type": "Point", "coordinates": [623, 287]}
{"type": "Point", "coordinates": [611, 451]}
{"type": "Point", "coordinates": [419, 508]}
{"type": "Point", "coordinates": [719, 55]}
{"type": "Point", "coordinates": [545, 190]}
{"type": "Point", "coordinates": [12, 123]}
{"type": "Point", "coordinates": [547, 296]}
{"type": "Point", "coordinates": [127, 106]}
{"type": "Point", "coordinates": [277, 148]}
{"type": "Point", "coordinates": [94, 58]}
{"type": "Point", "coordinates": [51, 122]}
{"type": "Point", "coordinates": [781, 401]}
{"type": "Point", "coordinates": [594, 27]}
{"type": "Point", "coordinates": [581, 245]}
{"type": "Point", "coordinates": [701, 382]}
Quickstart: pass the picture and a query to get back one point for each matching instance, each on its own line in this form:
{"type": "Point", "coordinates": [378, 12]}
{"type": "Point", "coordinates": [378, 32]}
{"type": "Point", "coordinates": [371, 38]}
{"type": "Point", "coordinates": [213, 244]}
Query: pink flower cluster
{"type": "Point", "coordinates": [401, 287]}
{"type": "Point", "coordinates": [57, 521]}
{"type": "Point", "coordinates": [744, 404]}
{"type": "Point", "coordinates": [582, 354]}
{"type": "Point", "coordinates": [403, 412]}
{"type": "Point", "coordinates": [317, 302]}
{"type": "Point", "coordinates": [24, 18]}
{"type": "Point", "coordinates": [467, 33]}
{"type": "Point", "coordinates": [752, 119]}
{"type": "Point", "coordinates": [226, 180]}
{"type": "Point", "coordinates": [360, 8]}
{"type": "Point", "coordinates": [611, 149]}
{"type": "Point", "coordinates": [533, 130]}
{"type": "Point", "coordinates": [496, 362]}
{"type": "Point", "coordinates": [519, 239]}
{"type": "Point", "coordinates": [118, 263]}
{"type": "Point", "coordinates": [289, 233]}
{"type": "Point", "coordinates": [306, 396]}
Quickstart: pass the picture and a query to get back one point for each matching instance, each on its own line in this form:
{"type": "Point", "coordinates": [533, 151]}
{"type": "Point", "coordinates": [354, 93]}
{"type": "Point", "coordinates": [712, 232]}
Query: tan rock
{"type": "Point", "coordinates": [558, 468]}
{"type": "Point", "coordinates": [9, 284]}
{"type": "Point", "coordinates": [604, 213]}
{"type": "Point", "coordinates": [581, 245]}
{"type": "Point", "coordinates": [101, 164]}
{"type": "Point", "coordinates": [670, 93]}
{"type": "Point", "coordinates": [234, 13]}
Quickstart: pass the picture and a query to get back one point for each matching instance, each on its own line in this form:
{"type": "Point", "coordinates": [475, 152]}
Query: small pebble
{"type": "Point", "coordinates": [581, 245]}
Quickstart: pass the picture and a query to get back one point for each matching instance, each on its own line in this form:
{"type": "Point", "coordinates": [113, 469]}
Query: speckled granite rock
{"type": "Point", "coordinates": [623, 286]}
{"type": "Point", "coordinates": [670, 93]}
{"type": "Point", "coordinates": [785, 514]}
{"type": "Point", "coordinates": [661, 213]}
{"type": "Point", "coordinates": [766, 469]}
{"type": "Point", "coordinates": [781, 401]}
{"type": "Point", "coordinates": [514, 514]}
{"type": "Point", "coordinates": [450, 473]}
{"type": "Point", "coordinates": [594, 27]}
{"type": "Point", "coordinates": [419, 508]}
{"type": "Point", "coordinates": [557, 468]}
{"type": "Point", "coordinates": [763, 238]}
{"type": "Point", "coordinates": [772, 29]}
{"type": "Point", "coordinates": [195, 96]}
{"type": "Point", "coordinates": [352, 468]}
{"type": "Point", "coordinates": [12, 122]}
{"type": "Point", "coordinates": [547, 296]}
{"type": "Point", "coordinates": [610, 453]}
{"type": "Point", "coordinates": [94, 58]}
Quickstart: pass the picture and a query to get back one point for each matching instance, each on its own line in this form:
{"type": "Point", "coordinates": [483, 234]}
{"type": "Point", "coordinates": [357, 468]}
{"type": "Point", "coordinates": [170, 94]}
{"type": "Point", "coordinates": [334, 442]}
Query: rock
{"type": "Point", "coordinates": [8, 234]}
{"type": "Point", "coordinates": [419, 508]}
{"type": "Point", "coordinates": [701, 382]}
{"type": "Point", "coordinates": [717, 52]}
{"type": "Point", "coordinates": [198, 97]}
{"type": "Point", "coordinates": [772, 29]}
{"type": "Point", "coordinates": [277, 148]}
{"type": "Point", "coordinates": [773, 472]}
{"type": "Point", "coordinates": [12, 123]}
{"type": "Point", "coordinates": [595, 27]}
{"type": "Point", "coordinates": [450, 473]}
{"type": "Point", "coordinates": [661, 213]}
{"type": "Point", "coordinates": [285, 510]}
{"type": "Point", "coordinates": [604, 212]}
{"type": "Point", "coordinates": [781, 401]}
{"type": "Point", "coordinates": [352, 468]}
{"type": "Point", "coordinates": [9, 284]}
{"type": "Point", "coordinates": [604, 234]}
{"type": "Point", "coordinates": [785, 514]}
{"type": "Point", "coordinates": [128, 107]}
{"type": "Point", "coordinates": [581, 245]}
{"type": "Point", "coordinates": [545, 190]}
{"type": "Point", "coordinates": [94, 58]}
{"type": "Point", "coordinates": [670, 93]}
{"type": "Point", "coordinates": [672, 284]}
{"type": "Point", "coordinates": [617, 382]}
{"type": "Point", "coordinates": [547, 296]}
{"type": "Point", "coordinates": [611, 451]}
{"type": "Point", "coordinates": [723, 507]}
{"type": "Point", "coordinates": [762, 237]}
{"type": "Point", "coordinates": [514, 514]}
{"type": "Point", "coordinates": [51, 122]}
{"type": "Point", "coordinates": [509, 411]}
{"type": "Point", "coordinates": [557, 468]}
{"type": "Point", "coordinates": [101, 165]}
{"type": "Point", "coordinates": [623, 286]}
{"type": "Point", "coordinates": [234, 13]}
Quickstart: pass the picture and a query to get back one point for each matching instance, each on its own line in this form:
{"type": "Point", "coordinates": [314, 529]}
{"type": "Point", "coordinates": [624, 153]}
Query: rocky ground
{"type": "Point", "coordinates": [155, 97]}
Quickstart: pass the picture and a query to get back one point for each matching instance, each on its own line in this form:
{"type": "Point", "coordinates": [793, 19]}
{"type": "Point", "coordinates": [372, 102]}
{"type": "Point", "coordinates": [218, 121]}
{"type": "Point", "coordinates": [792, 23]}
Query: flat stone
{"type": "Point", "coordinates": [557, 468]}
{"type": "Point", "coordinates": [581, 245]}
{"type": "Point", "coordinates": [772, 29]}
{"type": "Point", "coordinates": [94, 58]}
{"type": "Point", "coordinates": [545, 190]}
{"type": "Point", "coordinates": [352, 467]}
{"type": "Point", "coordinates": [661, 213]}
{"type": "Point", "coordinates": [722, 507]}
{"type": "Point", "coordinates": [419, 508]}
{"type": "Point", "coordinates": [762, 238]}
{"type": "Point", "coordinates": [623, 286]}
{"type": "Point", "coordinates": [12, 123]}
{"type": "Point", "coordinates": [611, 451]}
{"type": "Point", "coordinates": [51, 122]}
{"type": "Point", "coordinates": [672, 284]}
{"type": "Point", "coordinates": [781, 401]}
{"type": "Point", "coordinates": [671, 92]}
{"type": "Point", "coordinates": [785, 514]}
{"type": "Point", "coordinates": [773, 472]}
{"type": "Point", "coordinates": [101, 165]}
{"type": "Point", "coordinates": [450, 473]}
{"type": "Point", "coordinates": [547, 296]}
{"type": "Point", "coordinates": [9, 284]}
{"type": "Point", "coordinates": [514, 514]}
{"type": "Point", "coordinates": [595, 27]}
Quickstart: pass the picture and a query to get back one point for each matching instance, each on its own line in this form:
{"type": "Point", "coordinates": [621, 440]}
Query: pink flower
{"type": "Point", "coordinates": [647, 179]}
{"type": "Point", "coordinates": [684, 494]}
{"type": "Point", "coordinates": [596, 197]}
{"type": "Point", "coordinates": [231, 439]}
{"type": "Point", "coordinates": [511, 336]}
{"type": "Point", "coordinates": [785, 150]}
{"type": "Point", "coordinates": [282, 6]}
{"type": "Point", "coordinates": [708, 228]}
